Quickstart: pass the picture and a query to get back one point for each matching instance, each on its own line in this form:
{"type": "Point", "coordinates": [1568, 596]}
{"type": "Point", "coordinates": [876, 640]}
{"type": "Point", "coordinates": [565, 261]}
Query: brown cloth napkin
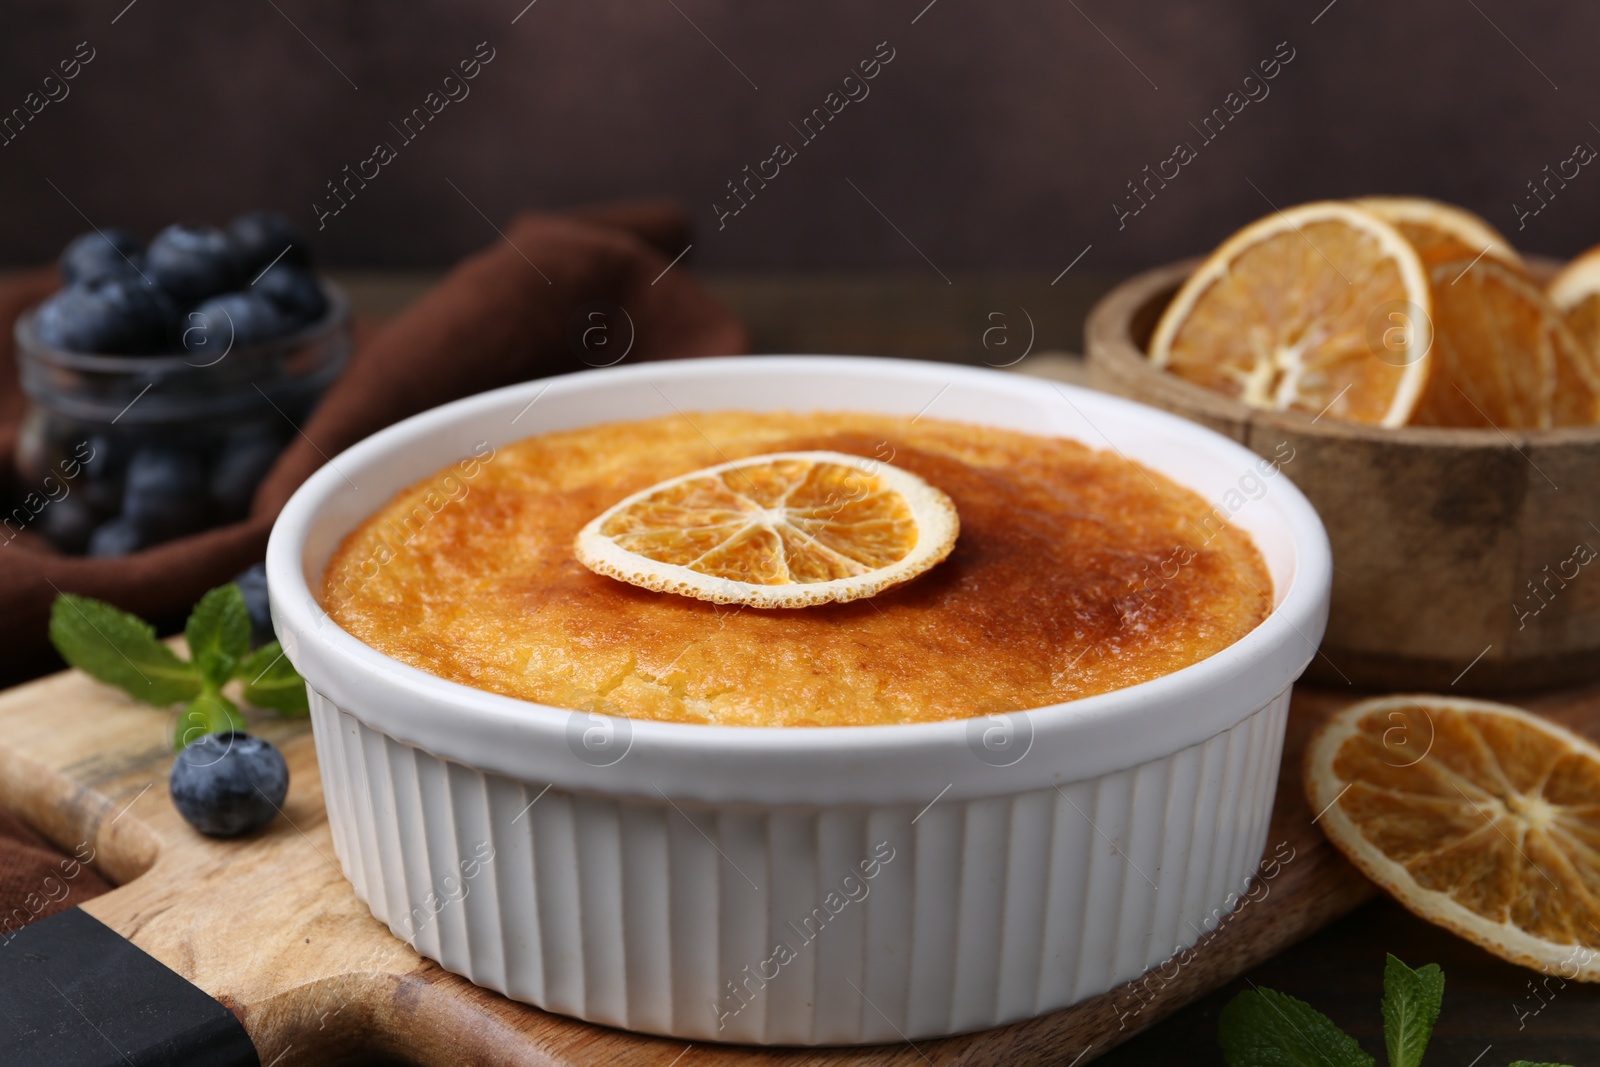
{"type": "Point", "coordinates": [36, 880]}
{"type": "Point", "coordinates": [501, 316]}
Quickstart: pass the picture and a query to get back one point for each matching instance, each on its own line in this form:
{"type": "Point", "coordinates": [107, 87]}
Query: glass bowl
{"type": "Point", "coordinates": [197, 432]}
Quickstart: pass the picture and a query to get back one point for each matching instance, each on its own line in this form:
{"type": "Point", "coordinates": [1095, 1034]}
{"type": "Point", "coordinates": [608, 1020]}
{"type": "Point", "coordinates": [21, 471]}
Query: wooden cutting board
{"type": "Point", "coordinates": [269, 926]}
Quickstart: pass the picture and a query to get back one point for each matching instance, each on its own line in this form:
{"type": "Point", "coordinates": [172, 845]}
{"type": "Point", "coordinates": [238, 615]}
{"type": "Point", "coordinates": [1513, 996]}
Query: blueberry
{"type": "Point", "coordinates": [192, 261]}
{"type": "Point", "coordinates": [231, 319]}
{"type": "Point", "coordinates": [118, 537]}
{"type": "Point", "coordinates": [164, 493]}
{"type": "Point", "coordinates": [101, 254]}
{"type": "Point", "coordinates": [253, 584]}
{"type": "Point", "coordinates": [103, 473]}
{"type": "Point", "coordinates": [118, 316]}
{"type": "Point", "coordinates": [263, 237]}
{"type": "Point", "coordinates": [294, 292]}
{"type": "Point", "coordinates": [68, 523]}
{"type": "Point", "coordinates": [228, 784]}
{"type": "Point", "coordinates": [244, 461]}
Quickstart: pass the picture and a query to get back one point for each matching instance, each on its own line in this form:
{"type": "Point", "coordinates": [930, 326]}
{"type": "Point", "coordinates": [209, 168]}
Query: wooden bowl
{"type": "Point", "coordinates": [1462, 558]}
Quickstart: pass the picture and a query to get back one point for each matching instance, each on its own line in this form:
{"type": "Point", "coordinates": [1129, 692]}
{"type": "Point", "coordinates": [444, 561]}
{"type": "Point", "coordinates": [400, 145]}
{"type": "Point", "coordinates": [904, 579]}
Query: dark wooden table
{"type": "Point", "coordinates": [1491, 1015]}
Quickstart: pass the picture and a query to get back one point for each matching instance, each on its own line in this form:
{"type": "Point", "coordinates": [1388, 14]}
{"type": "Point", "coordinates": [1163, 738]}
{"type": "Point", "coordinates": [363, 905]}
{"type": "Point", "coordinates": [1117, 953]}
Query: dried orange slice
{"type": "Point", "coordinates": [1503, 354]}
{"type": "Point", "coordinates": [784, 530]}
{"type": "Point", "coordinates": [1320, 308]}
{"type": "Point", "coordinates": [1478, 817]}
{"type": "Point", "coordinates": [1576, 291]}
{"type": "Point", "coordinates": [1441, 233]}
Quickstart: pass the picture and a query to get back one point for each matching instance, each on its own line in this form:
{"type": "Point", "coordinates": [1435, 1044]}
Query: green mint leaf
{"type": "Point", "coordinates": [121, 650]}
{"type": "Point", "coordinates": [1265, 1028]}
{"type": "Point", "coordinates": [1410, 1007]}
{"type": "Point", "coordinates": [215, 666]}
{"type": "Point", "coordinates": [218, 633]}
{"type": "Point", "coordinates": [270, 681]}
{"type": "Point", "coordinates": [208, 713]}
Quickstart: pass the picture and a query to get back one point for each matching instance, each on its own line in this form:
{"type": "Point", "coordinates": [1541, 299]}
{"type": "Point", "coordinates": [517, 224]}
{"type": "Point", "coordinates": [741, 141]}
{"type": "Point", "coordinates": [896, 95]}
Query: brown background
{"type": "Point", "coordinates": [997, 139]}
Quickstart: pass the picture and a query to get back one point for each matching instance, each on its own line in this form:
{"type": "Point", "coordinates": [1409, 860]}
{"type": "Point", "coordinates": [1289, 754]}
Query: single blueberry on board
{"type": "Point", "coordinates": [253, 584]}
{"type": "Point", "coordinates": [116, 537]}
{"type": "Point", "coordinates": [228, 784]}
{"type": "Point", "coordinates": [296, 293]}
{"type": "Point", "coordinates": [263, 237]}
{"type": "Point", "coordinates": [239, 468]}
{"type": "Point", "coordinates": [164, 493]}
{"type": "Point", "coordinates": [115, 316]}
{"type": "Point", "coordinates": [232, 319]}
{"type": "Point", "coordinates": [101, 254]}
{"type": "Point", "coordinates": [193, 261]}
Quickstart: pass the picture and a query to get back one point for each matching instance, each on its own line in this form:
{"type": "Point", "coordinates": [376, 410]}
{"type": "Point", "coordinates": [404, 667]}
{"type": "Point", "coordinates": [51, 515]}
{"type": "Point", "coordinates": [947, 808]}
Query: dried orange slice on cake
{"type": "Point", "coordinates": [1321, 308]}
{"type": "Point", "coordinates": [1441, 233]}
{"type": "Point", "coordinates": [784, 530]}
{"type": "Point", "coordinates": [1503, 353]}
{"type": "Point", "coordinates": [1478, 817]}
{"type": "Point", "coordinates": [1576, 292]}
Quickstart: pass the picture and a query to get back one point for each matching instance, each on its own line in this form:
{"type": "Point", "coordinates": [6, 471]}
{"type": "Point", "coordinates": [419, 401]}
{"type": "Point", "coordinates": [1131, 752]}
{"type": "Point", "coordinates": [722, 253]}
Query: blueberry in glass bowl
{"type": "Point", "coordinates": [265, 237]}
{"type": "Point", "coordinates": [193, 261]}
{"type": "Point", "coordinates": [163, 381]}
{"type": "Point", "coordinates": [245, 318]}
{"type": "Point", "coordinates": [102, 254]}
{"type": "Point", "coordinates": [293, 291]}
{"type": "Point", "coordinates": [115, 315]}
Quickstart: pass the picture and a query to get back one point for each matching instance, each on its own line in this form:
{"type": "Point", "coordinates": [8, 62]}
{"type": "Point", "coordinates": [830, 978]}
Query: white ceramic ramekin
{"type": "Point", "coordinates": [799, 886]}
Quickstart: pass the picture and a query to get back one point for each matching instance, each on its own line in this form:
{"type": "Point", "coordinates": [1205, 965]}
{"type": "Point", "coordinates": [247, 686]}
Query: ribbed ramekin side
{"type": "Point", "coordinates": [337, 789]}
{"type": "Point", "coordinates": [799, 925]}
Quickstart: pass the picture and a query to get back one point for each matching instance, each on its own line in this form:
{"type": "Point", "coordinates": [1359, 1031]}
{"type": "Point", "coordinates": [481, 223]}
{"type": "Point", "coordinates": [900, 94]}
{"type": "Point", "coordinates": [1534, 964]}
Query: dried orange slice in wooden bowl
{"type": "Point", "coordinates": [1503, 354]}
{"type": "Point", "coordinates": [1478, 817]}
{"type": "Point", "coordinates": [1321, 308]}
{"type": "Point", "coordinates": [783, 530]}
{"type": "Point", "coordinates": [1441, 233]}
{"type": "Point", "coordinates": [1576, 291]}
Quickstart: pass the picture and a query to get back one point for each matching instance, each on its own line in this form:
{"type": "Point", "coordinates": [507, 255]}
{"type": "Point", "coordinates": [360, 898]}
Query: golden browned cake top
{"type": "Point", "coordinates": [1076, 572]}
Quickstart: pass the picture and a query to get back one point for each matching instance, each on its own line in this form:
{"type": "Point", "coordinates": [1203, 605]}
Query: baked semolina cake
{"type": "Point", "coordinates": [1076, 572]}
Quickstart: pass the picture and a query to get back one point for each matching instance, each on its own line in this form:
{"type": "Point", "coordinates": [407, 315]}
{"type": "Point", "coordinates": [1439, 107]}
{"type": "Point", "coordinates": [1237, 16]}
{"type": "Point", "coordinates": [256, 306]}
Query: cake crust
{"type": "Point", "coordinates": [1077, 572]}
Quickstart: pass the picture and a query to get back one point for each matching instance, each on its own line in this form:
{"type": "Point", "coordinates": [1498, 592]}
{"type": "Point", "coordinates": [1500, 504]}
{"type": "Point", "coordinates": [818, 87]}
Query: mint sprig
{"type": "Point", "coordinates": [120, 649]}
{"type": "Point", "coordinates": [1411, 1000]}
{"type": "Point", "coordinates": [218, 633]}
{"type": "Point", "coordinates": [1265, 1028]}
{"type": "Point", "coordinates": [270, 681]}
{"type": "Point", "coordinates": [208, 713]}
